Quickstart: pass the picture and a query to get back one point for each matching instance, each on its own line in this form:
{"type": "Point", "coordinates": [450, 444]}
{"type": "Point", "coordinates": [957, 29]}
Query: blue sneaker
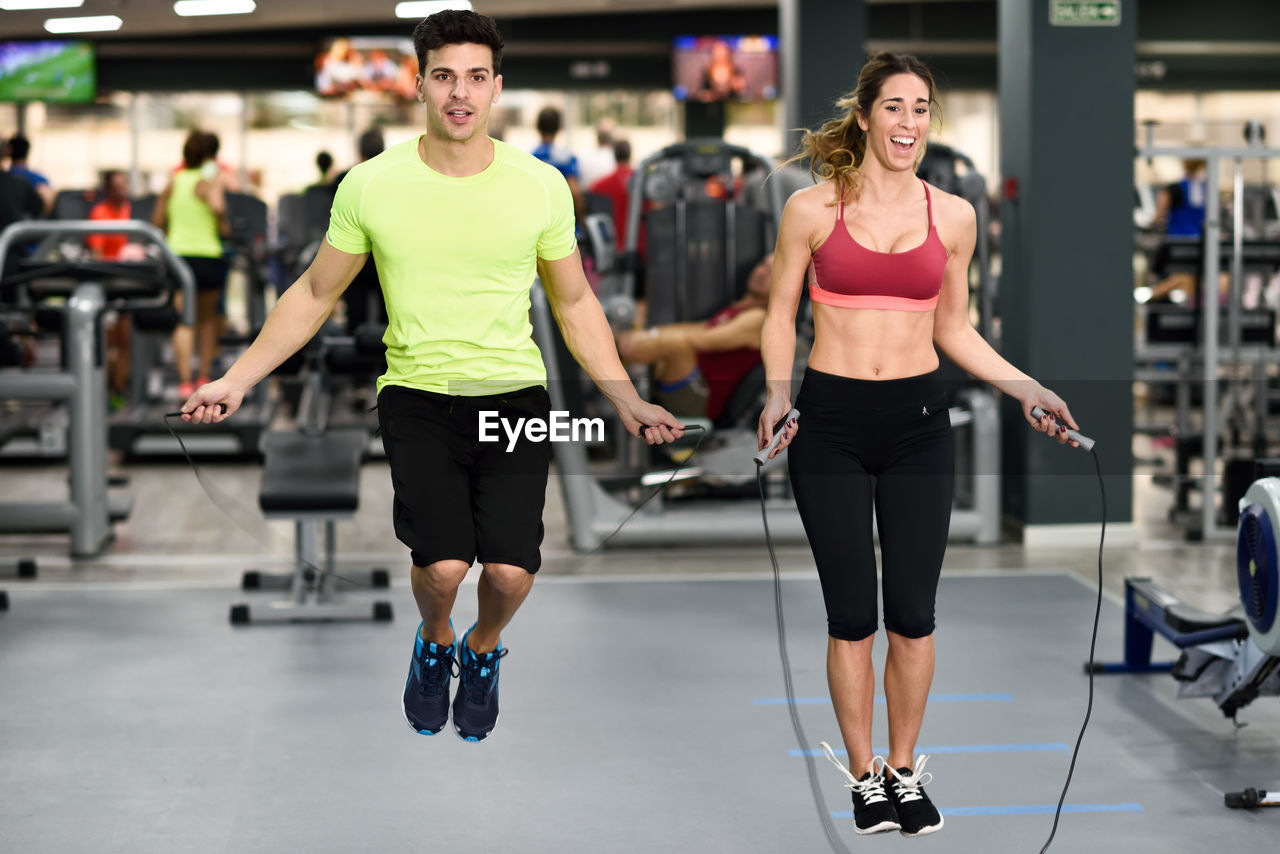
{"type": "Point", "coordinates": [475, 708]}
{"type": "Point", "coordinates": [426, 691]}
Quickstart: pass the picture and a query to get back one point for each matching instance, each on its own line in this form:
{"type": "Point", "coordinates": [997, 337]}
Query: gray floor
{"type": "Point", "coordinates": [638, 715]}
{"type": "Point", "coordinates": [640, 700]}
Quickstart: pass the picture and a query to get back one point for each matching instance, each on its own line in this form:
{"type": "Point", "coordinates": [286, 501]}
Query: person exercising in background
{"type": "Point", "coordinates": [192, 210]}
{"type": "Point", "coordinates": [460, 224]}
{"type": "Point", "coordinates": [698, 365]}
{"type": "Point", "coordinates": [19, 201]}
{"type": "Point", "coordinates": [370, 144]}
{"type": "Point", "coordinates": [890, 260]}
{"type": "Point", "coordinates": [113, 204]}
{"type": "Point", "coordinates": [615, 187]}
{"type": "Point", "coordinates": [19, 149]}
{"type": "Point", "coordinates": [1180, 206]}
{"type": "Point", "coordinates": [215, 168]}
{"type": "Point", "coordinates": [363, 297]}
{"type": "Point", "coordinates": [549, 123]}
{"type": "Point", "coordinates": [1180, 209]}
{"type": "Point", "coordinates": [324, 166]}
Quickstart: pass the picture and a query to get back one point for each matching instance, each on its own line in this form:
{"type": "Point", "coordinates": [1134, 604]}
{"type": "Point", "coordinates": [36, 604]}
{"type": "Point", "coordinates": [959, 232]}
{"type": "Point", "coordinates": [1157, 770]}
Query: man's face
{"type": "Point", "coordinates": [459, 89]}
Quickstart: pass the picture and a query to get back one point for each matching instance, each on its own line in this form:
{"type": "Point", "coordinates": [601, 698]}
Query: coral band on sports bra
{"type": "Point", "coordinates": [849, 275]}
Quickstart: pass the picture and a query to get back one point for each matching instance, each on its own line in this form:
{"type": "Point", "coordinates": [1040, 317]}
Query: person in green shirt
{"type": "Point", "coordinates": [192, 210]}
{"type": "Point", "coordinates": [458, 224]}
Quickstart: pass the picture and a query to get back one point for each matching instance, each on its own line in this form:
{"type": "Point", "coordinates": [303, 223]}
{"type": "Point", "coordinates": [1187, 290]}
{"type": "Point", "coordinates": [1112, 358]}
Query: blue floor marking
{"type": "Point", "coordinates": [1056, 747]}
{"type": "Point", "coordinates": [933, 698]}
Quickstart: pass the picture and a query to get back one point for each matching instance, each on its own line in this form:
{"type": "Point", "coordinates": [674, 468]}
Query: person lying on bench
{"type": "Point", "coordinates": [698, 365]}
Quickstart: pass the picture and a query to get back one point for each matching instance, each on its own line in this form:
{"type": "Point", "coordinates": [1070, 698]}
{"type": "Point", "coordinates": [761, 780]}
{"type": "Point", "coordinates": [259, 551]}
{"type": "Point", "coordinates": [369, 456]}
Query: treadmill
{"type": "Point", "coordinates": [140, 430]}
{"type": "Point", "coordinates": [57, 287]}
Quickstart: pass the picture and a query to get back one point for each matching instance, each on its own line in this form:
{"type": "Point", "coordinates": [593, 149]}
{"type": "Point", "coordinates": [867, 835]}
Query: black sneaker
{"type": "Point", "coordinates": [475, 708]}
{"type": "Point", "coordinates": [916, 812]}
{"type": "Point", "coordinates": [872, 810]}
{"type": "Point", "coordinates": [426, 691]}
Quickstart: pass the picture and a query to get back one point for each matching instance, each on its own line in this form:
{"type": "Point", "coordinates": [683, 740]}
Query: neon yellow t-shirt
{"type": "Point", "coordinates": [456, 258]}
{"type": "Point", "coordinates": [192, 224]}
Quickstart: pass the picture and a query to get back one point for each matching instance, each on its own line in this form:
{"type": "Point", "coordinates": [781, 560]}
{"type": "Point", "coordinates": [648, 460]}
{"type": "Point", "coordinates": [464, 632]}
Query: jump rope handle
{"type": "Point", "coordinates": [1085, 442]}
{"type": "Point", "coordinates": [763, 456]}
{"type": "Point", "coordinates": [180, 413]}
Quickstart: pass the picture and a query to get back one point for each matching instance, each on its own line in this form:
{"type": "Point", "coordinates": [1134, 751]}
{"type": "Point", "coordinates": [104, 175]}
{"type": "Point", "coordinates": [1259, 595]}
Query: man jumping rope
{"type": "Point", "coordinates": [457, 223]}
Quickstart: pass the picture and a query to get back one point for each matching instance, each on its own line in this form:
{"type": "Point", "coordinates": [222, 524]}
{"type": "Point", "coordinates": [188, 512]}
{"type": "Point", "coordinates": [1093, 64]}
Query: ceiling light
{"type": "Point", "coordinates": [189, 8]}
{"type": "Point", "coordinates": [90, 24]}
{"type": "Point", "coordinates": [426, 8]}
{"type": "Point", "coordinates": [23, 5]}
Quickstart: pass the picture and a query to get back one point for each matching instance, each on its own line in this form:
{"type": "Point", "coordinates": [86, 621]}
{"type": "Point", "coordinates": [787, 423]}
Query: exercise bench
{"type": "Point", "coordinates": [312, 478]}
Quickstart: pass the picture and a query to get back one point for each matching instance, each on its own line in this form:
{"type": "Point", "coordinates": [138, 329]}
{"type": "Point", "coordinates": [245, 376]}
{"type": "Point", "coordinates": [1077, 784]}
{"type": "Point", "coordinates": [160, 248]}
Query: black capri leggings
{"type": "Point", "coordinates": [887, 444]}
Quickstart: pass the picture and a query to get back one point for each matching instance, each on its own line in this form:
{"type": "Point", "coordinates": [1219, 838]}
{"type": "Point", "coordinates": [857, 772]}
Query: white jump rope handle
{"type": "Point", "coordinates": [1085, 441]}
{"type": "Point", "coordinates": [763, 456]}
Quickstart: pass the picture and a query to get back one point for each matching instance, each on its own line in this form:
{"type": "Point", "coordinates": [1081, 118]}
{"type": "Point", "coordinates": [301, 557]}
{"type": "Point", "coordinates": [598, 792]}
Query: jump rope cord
{"type": "Point", "coordinates": [662, 487]}
{"type": "Point", "coordinates": [245, 519]}
{"type": "Point", "coordinates": [824, 815]}
{"type": "Point", "coordinates": [1093, 644]}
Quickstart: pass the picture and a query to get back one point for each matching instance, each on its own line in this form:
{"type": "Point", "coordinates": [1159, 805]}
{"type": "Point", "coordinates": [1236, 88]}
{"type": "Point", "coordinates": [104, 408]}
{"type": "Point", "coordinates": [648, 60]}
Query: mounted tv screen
{"type": "Point", "coordinates": [53, 71]}
{"type": "Point", "coordinates": [352, 67]}
{"type": "Point", "coordinates": [725, 68]}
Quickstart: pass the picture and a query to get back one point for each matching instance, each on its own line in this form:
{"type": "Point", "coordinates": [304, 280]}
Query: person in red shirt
{"type": "Point", "coordinates": [698, 365]}
{"type": "Point", "coordinates": [113, 204]}
{"type": "Point", "coordinates": [614, 187]}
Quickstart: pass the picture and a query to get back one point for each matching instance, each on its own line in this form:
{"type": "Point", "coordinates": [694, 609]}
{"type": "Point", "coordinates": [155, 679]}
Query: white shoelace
{"type": "Point", "coordinates": [908, 788]}
{"type": "Point", "coordinates": [871, 790]}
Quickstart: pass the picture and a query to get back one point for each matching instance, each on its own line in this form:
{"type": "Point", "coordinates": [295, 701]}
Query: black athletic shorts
{"type": "Point", "coordinates": [210, 273]}
{"type": "Point", "coordinates": [457, 498]}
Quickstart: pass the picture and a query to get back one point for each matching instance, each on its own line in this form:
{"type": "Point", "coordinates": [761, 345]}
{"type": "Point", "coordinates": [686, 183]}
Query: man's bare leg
{"type": "Point", "coordinates": [502, 590]}
{"type": "Point", "coordinates": [435, 588]}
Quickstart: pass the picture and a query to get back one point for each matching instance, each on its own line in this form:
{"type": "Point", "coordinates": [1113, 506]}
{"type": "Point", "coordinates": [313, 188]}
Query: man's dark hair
{"type": "Point", "coordinates": [456, 26]}
{"type": "Point", "coordinates": [212, 143]}
{"type": "Point", "coordinates": [371, 144]}
{"type": "Point", "coordinates": [549, 121]}
{"type": "Point", "coordinates": [324, 162]}
{"type": "Point", "coordinates": [19, 147]}
{"type": "Point", "coordinates": [622, 151]}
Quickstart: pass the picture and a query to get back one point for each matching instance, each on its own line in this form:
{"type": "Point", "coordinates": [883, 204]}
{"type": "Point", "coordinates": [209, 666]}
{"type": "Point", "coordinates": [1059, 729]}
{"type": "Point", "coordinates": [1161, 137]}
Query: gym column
{"type": "Point", "coordinates": [1066, 288]}
{"type": "Point", "coordinates": [820, 51]}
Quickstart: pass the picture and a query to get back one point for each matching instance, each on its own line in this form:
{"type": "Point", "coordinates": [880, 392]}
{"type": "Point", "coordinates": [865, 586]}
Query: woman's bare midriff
{"type": "Point", "coordinates": [872, 344]}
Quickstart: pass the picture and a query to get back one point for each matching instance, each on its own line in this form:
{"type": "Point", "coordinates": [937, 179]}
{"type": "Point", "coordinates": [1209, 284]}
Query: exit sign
{"type": "Point", "coordinates": [1084, 13]}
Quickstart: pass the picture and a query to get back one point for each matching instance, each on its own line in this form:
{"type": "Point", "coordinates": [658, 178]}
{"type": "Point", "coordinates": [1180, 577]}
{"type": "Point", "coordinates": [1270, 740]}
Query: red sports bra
{"type": "Point", "coordinates": [849, 275]}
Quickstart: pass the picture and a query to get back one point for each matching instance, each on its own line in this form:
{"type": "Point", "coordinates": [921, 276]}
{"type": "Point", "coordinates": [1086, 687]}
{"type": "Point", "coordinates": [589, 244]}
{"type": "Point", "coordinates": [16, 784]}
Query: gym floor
{"type": "Point", "coordinates": [641, 700]}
